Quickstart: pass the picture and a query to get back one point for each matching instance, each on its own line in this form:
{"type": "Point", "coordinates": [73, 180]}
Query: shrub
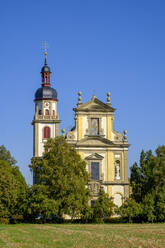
{"type": "Point", "coordinates": [4, 220]}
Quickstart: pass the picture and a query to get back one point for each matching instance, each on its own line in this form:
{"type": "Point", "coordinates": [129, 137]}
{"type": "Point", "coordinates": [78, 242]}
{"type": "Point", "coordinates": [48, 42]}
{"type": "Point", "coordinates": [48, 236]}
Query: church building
{"type": "Point", "coordinates": [104, 150]}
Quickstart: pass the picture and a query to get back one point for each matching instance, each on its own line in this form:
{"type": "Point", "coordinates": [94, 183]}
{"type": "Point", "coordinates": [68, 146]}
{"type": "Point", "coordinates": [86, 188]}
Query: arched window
{"type": "Point", "coordinates": [118, 200]}
{"type": "Point", "coordinates": [46, 132]}
{"type": "Point", "coordinates": [46, 111]}
{"type": "Point", "coordinates": [53, 112]}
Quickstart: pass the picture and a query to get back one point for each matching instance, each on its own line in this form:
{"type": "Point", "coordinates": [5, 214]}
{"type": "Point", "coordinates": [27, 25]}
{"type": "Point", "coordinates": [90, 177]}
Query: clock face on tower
{"type": "Point", "coordinates": [46, 104]}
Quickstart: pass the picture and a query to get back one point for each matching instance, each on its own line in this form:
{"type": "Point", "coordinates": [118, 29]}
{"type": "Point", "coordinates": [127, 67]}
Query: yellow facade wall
{"type": "Point", "coordinates": [81, 154]}
{"type": "Point", "coordinates": [123, 166]}
{"type": "Point", "coordinates": [110, 166]}
{"type": "Point", "coordinates": [79, 127]}
{"type": "Point", "coordinates": [109, 128]}
{"type": "Point", "coordinates": [109, 190]}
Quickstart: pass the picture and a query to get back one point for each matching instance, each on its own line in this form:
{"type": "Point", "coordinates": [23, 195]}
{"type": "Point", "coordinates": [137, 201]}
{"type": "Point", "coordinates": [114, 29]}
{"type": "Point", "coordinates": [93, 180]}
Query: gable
{"type": "Point", "coordinates": [94, 156]}
{"type": "Point", "coordinates": [94, 105]}
{"type": "Point", "coordinates": [95, 141]}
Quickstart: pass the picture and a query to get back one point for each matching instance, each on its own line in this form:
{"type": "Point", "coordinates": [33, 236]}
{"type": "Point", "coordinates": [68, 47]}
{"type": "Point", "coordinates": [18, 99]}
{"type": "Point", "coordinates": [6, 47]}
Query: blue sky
{"type": "Point", "coordinates": [93, 46]}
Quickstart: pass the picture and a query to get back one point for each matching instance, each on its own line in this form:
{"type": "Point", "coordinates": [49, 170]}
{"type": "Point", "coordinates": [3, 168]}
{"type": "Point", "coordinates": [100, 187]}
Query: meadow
{"type": "Point", "coordinates": [82, 236]}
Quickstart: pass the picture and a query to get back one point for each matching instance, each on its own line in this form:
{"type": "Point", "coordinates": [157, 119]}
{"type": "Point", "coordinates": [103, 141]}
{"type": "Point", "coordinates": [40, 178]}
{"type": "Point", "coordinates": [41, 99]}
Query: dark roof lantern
{"type": "Point", "coordinates": [45, 68]}
{"type": "Point", "coordinates": [45, 73]}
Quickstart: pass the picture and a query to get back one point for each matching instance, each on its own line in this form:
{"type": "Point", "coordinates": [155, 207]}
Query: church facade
{"type": "Point", "coordinates": [104, 150]}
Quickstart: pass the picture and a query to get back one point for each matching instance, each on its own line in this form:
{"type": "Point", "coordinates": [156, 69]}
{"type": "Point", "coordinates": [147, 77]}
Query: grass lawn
{"type": "Point", "coordinates": [82, 236]}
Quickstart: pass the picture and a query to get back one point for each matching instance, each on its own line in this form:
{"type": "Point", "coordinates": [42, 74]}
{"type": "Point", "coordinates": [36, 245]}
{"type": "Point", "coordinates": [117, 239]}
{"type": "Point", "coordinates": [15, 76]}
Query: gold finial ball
{"type": "Point", "coordinates": [63, 130]}
{"type": "Point", "coordinates": [45, 53]}
{"type": "Point", "coordinates": [125, 132]}
{"type": "Point", "coordinates": [79, 93]}
{"type": "Point", "coordinates": [108, 94]}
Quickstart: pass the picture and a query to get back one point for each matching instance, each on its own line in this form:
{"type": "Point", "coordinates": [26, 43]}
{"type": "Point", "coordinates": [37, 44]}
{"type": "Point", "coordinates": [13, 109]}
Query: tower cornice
{"type": "Point", "coordinates": [45, 121]}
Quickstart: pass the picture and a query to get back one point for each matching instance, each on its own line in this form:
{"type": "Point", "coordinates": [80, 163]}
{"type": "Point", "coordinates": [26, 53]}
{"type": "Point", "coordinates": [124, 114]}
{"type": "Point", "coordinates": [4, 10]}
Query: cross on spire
{"type": "Point", "coordinates": [45, 46]}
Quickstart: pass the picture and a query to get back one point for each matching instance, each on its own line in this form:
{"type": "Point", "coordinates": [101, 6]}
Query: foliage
{"type": "Point", "coordinates": [5, 155]}
{"type": "Point", "coordinates": [87, 214]}
{"type": "Point", "coordinates": [62, 174]}
{"type": "Point", "coordinates": [13, 188]}
{"type": "Point", "coordinates": [148, 208]}
{"type": "Point", "coordinates": [103, 207]}
{"type": "Point", "coordinates": [8, 190]}
{"type": "Point", "coordinates": [130, 209]}
{"type": "Point", "coordinates": [148, 185]}
{"type": "Point", "coordinates": [40, 206]}
{"type": "Point", "coordinates": [4, 220]}
{"type": "Point", "coordinates": [142, 177]}
{"type": "Point", "coordinates": [160, 205]}
{"type": "Point", "coordinates": [160, 167]}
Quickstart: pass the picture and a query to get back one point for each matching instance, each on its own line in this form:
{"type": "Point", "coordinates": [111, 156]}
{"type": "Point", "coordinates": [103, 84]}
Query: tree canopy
{"type": "Point", "coordinates": [103, 207]}
{"type": "Point", "coordinates": [148, 185]}
{"type": "Point", "coordinates": [13, 188]}
{"type": "Point", "coordinates": [62, 177]}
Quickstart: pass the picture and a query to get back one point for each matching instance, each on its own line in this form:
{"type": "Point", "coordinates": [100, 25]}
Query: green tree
{"type": "Point", "coordinates": [5, 155]}
{"type": "Point", "coordinates": [159, 171]}
{"type": "Point", "coordinates": [63, 174]}
{"type": "Point", "coordinates": [148, 184]}
{"type": "Point", "coordinates": [8, 190]}
{"type": "Point", "coordinates": [13, 188]}
{"type": "Point", "coordinates": [87, 214]}
{"type": "Point", "coordinates": [130, 210]}
{"type": "Point", "coordinates": [160, 204]}
{"type": "Point", "coordinates": [103, 207]}
{"type": "Point", "coordinates": [40, 205]}
{"type": "Point", "coordinates": [142, 177]}
{"type": "Point", "coordinates": [148, 207]}
{"type": "Point", "coordinates": [136, 182]}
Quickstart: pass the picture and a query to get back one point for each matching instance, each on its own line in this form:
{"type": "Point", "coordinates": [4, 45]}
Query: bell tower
{"type": "Point", "coordinates": [46, 119]}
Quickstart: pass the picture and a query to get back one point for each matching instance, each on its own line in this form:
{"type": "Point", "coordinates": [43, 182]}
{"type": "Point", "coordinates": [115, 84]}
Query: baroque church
{"type": "Point", "coordinates": [104, 150]}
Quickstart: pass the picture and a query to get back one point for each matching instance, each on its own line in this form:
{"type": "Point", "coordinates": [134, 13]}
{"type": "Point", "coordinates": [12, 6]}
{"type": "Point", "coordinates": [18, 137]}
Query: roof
{"type": "Point", "coordinates": [46, 93]}
{"type": "Point", "coordinates": [94, 105]}
{"type": "Point", "coordinates": [45, 68]}
{"type": "Point", "coordinates": [98, 141]}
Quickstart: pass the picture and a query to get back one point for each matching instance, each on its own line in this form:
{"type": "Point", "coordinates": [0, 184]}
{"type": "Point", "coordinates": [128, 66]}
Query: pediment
{"type": "Point", "coordinates": [94, 105]}
{"type": "Point", "coordinates": [94, 156]}
{"type": "Point", "coordinates": [95, 141]}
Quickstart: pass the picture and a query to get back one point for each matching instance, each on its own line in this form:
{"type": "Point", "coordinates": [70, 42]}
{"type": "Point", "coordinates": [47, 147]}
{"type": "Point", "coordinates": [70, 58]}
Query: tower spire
{"type": "Point", "coordinates": [45, 72]}
{"type": "Point", "coordinates": [45, 53]}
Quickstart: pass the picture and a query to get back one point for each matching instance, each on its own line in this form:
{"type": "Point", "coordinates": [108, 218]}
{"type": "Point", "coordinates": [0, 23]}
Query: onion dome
{"type": "Point", "coordinates": [46, 93]}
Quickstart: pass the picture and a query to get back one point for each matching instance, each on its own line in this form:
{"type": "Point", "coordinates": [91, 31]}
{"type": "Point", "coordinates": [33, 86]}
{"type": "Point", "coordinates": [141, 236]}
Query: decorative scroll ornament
{"type": "Point", "coordinates": [94, 188]}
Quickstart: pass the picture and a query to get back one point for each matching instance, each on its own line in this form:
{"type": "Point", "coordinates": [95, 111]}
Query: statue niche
{"type": "Point", "coordinates": [117, 169]}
